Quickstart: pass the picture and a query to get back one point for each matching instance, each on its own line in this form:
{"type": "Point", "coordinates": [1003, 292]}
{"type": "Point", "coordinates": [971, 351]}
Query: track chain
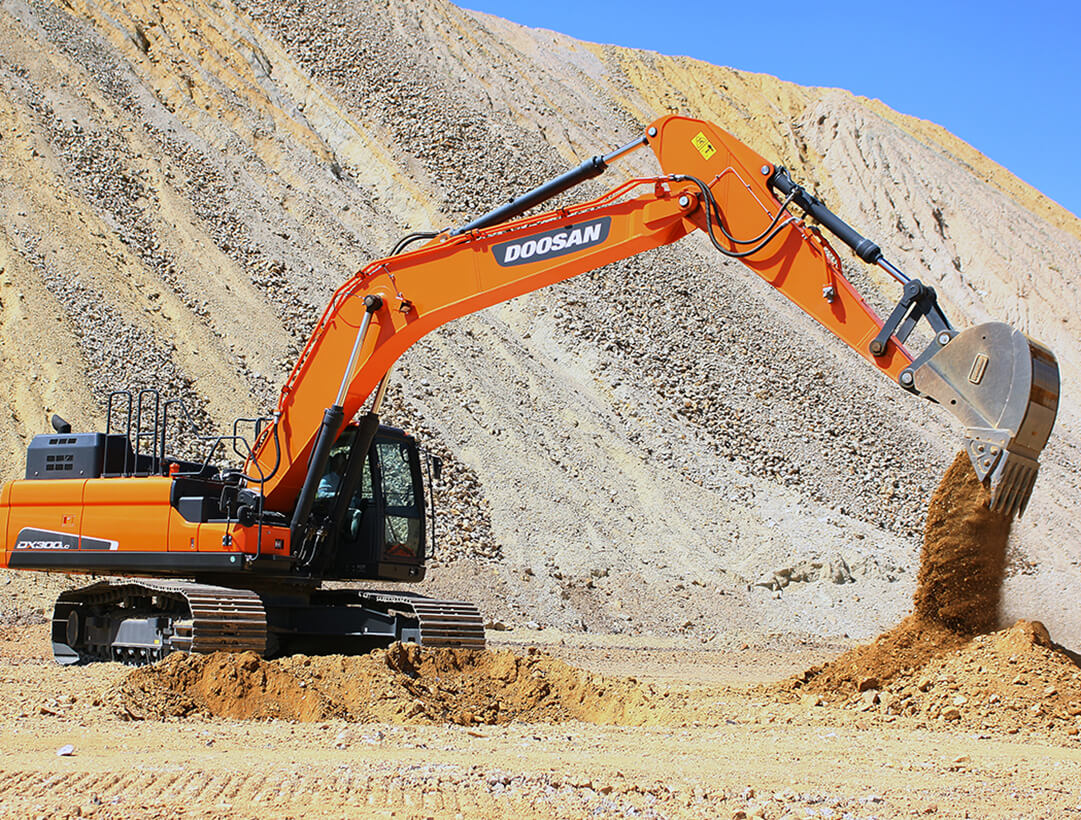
{"type": "Point", "coordinates": [217, 619]}
{"type": "Point", "coordinates": [206, 618]}
{"type": "Point", "coordinates": [222, 619]}
{"type": "Point", "coordinates": [442, 623]}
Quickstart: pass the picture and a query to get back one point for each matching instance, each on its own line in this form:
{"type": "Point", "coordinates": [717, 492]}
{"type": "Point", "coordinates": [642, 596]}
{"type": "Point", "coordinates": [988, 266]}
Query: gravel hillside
{"type": "Point", "coordinates": [663, 445]}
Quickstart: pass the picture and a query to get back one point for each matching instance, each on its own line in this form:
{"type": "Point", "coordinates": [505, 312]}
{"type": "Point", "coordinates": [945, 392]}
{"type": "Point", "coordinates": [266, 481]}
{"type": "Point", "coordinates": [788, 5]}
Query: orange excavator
{"type": "Point", "coordinates": [235, 558]}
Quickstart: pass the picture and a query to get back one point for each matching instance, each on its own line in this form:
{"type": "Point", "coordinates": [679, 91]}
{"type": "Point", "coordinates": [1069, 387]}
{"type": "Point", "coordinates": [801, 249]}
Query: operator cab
{"type": "Point", "coordinates": [377, 498]}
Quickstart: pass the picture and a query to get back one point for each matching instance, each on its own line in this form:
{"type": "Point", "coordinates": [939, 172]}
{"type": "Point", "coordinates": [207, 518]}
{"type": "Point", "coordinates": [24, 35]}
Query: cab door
{"type": "Point", "coordinates": [398, 466]}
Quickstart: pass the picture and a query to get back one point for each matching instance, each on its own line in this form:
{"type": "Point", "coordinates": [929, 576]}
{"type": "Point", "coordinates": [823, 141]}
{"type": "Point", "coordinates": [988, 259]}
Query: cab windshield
{"type": "Point", "coordinates": [395, 470]}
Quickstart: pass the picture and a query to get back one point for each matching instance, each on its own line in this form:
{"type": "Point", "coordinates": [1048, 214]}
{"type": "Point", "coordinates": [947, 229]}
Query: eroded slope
{"type": "Point", "coordinates": [184, 184]}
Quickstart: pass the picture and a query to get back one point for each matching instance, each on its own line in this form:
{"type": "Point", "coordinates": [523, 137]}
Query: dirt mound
{"type": "Point", "coordinates": [961, 570]}
{"type": "Point", "coordinates": [229, 685]}
{"type": "Point", "coordinates": [402, 684]}
{"type": "Point", "coordinates": [1015, 680]}
{"type": "Point", "coordinates": [940, 663]}
{"type": "Point", "coordinates": [908, 646]}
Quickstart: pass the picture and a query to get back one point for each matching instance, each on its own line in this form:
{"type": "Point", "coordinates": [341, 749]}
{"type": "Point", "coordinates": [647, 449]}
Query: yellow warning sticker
{"type": "Point", "coordinates": [704, 146]}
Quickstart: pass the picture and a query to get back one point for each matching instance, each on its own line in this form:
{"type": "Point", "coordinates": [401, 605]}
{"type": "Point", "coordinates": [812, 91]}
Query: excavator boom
{"type": "Point", "coordinates": [1000, 385]}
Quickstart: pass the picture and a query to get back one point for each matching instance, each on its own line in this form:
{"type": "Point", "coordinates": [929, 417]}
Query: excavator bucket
{"type": "Point", "coordinates": [1004, 388]}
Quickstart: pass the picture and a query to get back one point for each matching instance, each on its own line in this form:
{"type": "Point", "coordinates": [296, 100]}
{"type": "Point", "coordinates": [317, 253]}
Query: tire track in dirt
{"type": "Point", "coordinates": [201, 793]}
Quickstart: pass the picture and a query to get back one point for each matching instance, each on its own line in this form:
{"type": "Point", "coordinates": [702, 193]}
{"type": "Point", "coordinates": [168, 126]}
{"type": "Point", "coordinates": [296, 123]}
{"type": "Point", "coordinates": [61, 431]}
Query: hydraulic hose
{"type": "Point", "coordinates": [712, 211]}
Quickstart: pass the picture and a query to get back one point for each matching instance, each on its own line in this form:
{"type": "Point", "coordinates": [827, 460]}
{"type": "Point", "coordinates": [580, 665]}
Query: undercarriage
{"type": "Point", "coordinates": [140, 622]}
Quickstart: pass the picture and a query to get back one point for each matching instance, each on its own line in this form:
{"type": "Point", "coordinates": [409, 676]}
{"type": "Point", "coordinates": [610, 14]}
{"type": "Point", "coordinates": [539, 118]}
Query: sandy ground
{"type": "Point", "coordinates": [725, 746]}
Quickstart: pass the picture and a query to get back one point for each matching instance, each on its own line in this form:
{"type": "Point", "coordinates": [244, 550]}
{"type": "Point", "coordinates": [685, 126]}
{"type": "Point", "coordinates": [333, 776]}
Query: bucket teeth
{"type": "Point", "coordinates": [1009, 474]}
{"type": "Point", "coordinates": [1011, 483]}
{"type": "Point", "coordinates": [1004, 388]}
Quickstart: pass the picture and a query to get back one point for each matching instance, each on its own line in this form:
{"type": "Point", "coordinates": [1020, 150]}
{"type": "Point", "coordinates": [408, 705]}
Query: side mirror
{"type": "Point", "coordinates": [437, 466]}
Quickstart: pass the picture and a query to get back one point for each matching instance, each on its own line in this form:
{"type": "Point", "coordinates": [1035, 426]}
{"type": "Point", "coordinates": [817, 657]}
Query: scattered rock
{"type": "Point", "coordinates": [839, 572]}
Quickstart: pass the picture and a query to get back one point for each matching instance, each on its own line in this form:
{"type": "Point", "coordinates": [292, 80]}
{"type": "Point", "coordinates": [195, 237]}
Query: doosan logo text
{"type": "Point", "coordinates": [553, 243]}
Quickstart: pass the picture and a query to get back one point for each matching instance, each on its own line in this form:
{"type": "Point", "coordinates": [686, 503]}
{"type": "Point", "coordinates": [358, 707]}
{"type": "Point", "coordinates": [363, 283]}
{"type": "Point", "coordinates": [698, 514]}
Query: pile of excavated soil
{"type": "Point", "coordinates": [940, 662]}
{"type": "Point", "coordinates": [1014, 680]}
{"type": "Point", "coordinates": [402, 684]}
{"type": "Point", "coordinates": [906, 647]}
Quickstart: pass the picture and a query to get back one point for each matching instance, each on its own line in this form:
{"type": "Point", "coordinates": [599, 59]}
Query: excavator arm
{"type": "Point", "coordinates": [1002, 386]}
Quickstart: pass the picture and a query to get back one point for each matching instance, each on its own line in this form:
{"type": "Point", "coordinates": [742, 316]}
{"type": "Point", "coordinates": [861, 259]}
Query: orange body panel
{"type": "Point", "coordinates": [275, 540]}
{"type": "Point", "coordinates": [134, 512]}
{"type": "Point", "coordinates": [210, 537]}
{"type": "Point", "coordinates": [117, 514]}
{"type": "Point", "coordinates": [183, 535]}
{"type": "Point", "coordinates": [54, 505]}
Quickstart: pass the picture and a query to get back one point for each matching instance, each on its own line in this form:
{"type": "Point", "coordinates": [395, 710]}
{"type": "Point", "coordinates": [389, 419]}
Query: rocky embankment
{"type": "Point", "coordinates": [662, 445]}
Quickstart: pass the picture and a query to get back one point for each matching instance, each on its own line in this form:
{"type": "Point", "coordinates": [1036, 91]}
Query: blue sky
{"type": "Point", "coordinates": [1003, 76]}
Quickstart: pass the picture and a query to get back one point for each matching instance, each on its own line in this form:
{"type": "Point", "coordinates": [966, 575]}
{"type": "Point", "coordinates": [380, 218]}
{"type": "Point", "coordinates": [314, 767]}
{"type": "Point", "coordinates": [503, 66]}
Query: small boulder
{"type": "Point", "coordinates": [839, 571]}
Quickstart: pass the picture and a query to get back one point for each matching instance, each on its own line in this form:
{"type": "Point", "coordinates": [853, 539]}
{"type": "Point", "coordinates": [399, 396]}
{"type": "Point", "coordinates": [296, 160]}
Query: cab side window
{"type": "Point", "coordinates": [402, 521]}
